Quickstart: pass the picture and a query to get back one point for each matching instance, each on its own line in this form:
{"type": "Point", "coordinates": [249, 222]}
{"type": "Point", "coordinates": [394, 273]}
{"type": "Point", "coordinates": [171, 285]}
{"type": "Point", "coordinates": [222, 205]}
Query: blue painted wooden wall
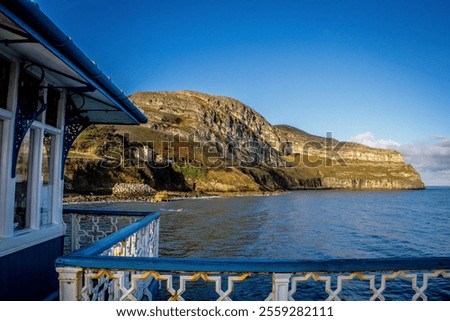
{"type": "Point", "coordinates": [30, 274]}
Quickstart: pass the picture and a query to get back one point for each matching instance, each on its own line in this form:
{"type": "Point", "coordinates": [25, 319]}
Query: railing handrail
{"type": "Point", "coordinates": [252, 265]}
{"type": "Point", "coordinates": [71, 210]}
{"type": "Point", "coordinates": [109, 241]}
{"type": "Point", "coordinates": [125, 266]}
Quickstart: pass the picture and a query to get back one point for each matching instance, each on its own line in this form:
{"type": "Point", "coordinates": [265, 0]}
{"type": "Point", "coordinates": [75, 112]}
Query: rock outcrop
{"type": "Point", "coordinates": [124, 190]}
{"type": "Point", "coordinates": [207, 143]}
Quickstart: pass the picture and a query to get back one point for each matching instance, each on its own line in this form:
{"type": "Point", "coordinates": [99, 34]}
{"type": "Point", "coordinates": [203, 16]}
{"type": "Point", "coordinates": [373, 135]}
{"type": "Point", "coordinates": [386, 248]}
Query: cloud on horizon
{"type": "Point", "coordinates": [431, 158]}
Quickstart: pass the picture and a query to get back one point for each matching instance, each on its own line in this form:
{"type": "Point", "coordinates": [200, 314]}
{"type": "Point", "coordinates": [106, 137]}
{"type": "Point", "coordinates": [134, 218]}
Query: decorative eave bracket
{"type": "Point", "coordinates": [75, 123]}
{"type": "Point", "coordinates": [28, 110]}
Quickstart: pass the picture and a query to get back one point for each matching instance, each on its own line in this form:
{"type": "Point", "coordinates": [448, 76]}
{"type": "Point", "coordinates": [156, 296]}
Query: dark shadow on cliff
{"type": "Point", "coordinates": [271, 179]}
{"type": "Point", "coordinates": [166, 178]}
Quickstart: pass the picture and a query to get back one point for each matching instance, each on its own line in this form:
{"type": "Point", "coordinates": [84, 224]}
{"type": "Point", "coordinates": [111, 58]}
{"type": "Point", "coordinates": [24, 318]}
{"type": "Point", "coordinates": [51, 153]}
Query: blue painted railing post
{"type": "Point", "coordinates": [280, 286]}
{"type": "Point", "coordinates": [69, 283]}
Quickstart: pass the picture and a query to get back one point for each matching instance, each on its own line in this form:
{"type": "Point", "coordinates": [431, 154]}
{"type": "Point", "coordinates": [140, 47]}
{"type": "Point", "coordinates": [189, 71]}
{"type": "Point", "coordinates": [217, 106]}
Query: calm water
{"type": "Point", "coordinates": [307, 225]}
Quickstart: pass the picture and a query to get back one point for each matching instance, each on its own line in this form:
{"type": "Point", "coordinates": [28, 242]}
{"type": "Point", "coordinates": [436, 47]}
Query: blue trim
{"type": "Point", "coordinates": [253, 265]}
{"type": "Point", "coordinates": [52, 297]}
{"type": "Point", "coordinates": [30, 18]}
{"type": "Point", "coordinates": [109, 241]}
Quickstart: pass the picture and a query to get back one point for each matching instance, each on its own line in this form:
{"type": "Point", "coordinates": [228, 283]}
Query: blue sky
{"type": "Point", "coordinates": [376, 72]}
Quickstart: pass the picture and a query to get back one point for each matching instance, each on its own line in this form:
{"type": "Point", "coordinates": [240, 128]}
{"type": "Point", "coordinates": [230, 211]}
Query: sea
{"type": "Point", "coordinates": [313, 225]}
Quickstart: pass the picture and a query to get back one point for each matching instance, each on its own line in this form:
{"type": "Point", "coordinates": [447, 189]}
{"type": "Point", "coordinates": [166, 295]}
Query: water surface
{"type": "Point", "coordinates": [307, 225]}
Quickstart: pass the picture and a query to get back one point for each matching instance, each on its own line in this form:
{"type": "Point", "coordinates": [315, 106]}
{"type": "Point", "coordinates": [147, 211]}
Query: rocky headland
{"type": "Point", "coordinates": [206, 145]}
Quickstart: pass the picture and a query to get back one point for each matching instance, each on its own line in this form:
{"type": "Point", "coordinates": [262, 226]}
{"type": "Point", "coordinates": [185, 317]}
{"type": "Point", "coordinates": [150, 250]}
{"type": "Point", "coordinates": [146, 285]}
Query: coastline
{"type": "Point", "coordinates": [73, 198]}
{"type": "Point", "coordinates": [171, 196]}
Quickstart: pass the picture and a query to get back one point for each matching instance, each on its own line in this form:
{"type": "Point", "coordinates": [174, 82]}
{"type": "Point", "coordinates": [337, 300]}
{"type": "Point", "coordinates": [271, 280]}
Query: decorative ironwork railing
{"type": "Point", "coordinates": [139, 239]}
{"type": "Point", "coordinates": [125, 278]}
{"type": "Point", "coordinates": [86, 226]}
{"type": "Point", "coordinates": [123, 264]}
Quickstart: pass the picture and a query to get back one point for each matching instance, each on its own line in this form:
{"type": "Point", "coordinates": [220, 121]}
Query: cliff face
{"type": "Point", "coordinates": [218, 144]}
{"type": "Point", "coordinates": [351, 165]}
{"type": "Point", "coordinates": [229, 126]}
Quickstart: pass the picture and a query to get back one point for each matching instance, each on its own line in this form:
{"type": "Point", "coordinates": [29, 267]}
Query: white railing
{"type": "Point", "coordinates": [143, 243]}
{"type": "Point", "coordinates": [124, 278]}
{"type": "Point", "coordinates": [139, 239]}
{"type": "Point", "coordinates": [124, 265]}
{"type": "Point", "coordinates": [86, 226]}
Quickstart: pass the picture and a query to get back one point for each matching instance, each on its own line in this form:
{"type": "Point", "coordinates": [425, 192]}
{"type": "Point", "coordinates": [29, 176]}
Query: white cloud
{"type": "Point", "coordinates": [369, 140]}
{"type": "Point", "coordinates": [431, 158]}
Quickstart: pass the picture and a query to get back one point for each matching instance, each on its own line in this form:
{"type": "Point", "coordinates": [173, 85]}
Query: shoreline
{"type": "Point", "coordinates": [171, 196]}
{"type": "Point", "coordinates": [179, 195]}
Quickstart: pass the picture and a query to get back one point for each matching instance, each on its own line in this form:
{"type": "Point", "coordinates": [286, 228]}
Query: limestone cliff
{"type": "Point", "coordinates": [351, 165]}
{"type": "Point", "coordinates": [207, 143]}
{"type": "Point", "coordinates": [229, 126]}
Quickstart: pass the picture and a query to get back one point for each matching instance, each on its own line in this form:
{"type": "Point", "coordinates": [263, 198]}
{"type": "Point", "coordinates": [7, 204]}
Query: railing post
{"type": "Point", "coordinates": [280, 286]}
{"type": "Point", "coordinates": [69, 283]}
{"type": "Point", "coordinates": [74, 232]}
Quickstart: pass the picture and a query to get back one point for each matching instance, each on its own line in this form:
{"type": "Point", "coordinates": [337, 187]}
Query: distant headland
{"type": "Point", "coordinates": [203, 144]}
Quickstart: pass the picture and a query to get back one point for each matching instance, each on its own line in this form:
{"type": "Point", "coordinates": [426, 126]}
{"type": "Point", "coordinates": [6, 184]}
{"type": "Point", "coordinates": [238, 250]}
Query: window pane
{"type": "Point", "coordinates": [30, 94]}
{"type": "Point", "coordinates": [47, 176]}
{"type": "Point", "coordinates": [51, 117]}
{"type": "Point", "coordinates": [2, 152]}
{"type": "Point", "coordinates": [21, 206]}
{"type": "Point", "coordinates": [5, 67]}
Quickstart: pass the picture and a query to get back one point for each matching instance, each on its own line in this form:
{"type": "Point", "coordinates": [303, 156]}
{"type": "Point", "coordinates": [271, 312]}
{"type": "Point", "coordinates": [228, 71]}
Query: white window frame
{"type": "Point", "coordinates": [7, 193]}
{"type": "Point", "coordinates": [12, 241]}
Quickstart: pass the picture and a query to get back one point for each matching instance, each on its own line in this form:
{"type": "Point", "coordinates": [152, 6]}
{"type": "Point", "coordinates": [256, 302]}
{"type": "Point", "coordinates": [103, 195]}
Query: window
{"type": "Point", "coordinates": [35, 168]}
{"type": "Point", "coordinates": [30, 202]}
{"type": "Point", "coordinates": [30, 94]}
{"type": "Point", "coordinates": [23, 178]}
{"type": "Point", "coordinates": [47, 179]}
{"type": "Point", "coordinates": [5, 68]}
{"type": "Point", "coordinates": [51, 115]}
{"type": "Point", "coordinates": [1, 139]}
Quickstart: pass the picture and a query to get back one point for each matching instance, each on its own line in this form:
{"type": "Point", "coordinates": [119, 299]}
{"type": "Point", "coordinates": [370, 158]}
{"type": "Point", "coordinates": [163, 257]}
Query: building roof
{"type": "Point", "coordinates": [29, 35]}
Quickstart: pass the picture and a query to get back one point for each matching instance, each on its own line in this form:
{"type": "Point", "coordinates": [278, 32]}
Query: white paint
{"type": "Point", "coordinates": [280, 286]}
{"type": "Point", "coordinates": [10, 240]}
{"type": "Point", "coordinates": [69, 283]}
